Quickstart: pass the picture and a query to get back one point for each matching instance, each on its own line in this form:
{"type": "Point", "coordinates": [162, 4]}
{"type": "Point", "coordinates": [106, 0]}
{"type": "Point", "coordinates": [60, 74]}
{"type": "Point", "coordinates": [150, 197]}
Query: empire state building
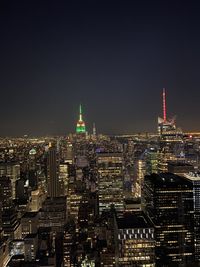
{"type": "Point", "coordinates": [80, 126]}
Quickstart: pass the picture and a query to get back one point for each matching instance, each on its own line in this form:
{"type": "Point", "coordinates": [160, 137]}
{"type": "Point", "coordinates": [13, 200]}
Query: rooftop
{"type": "Point", "coordinates": [192, 176]}
{"type": "Point", "coordinates": [136, 220]}
{"type": "Point", "coordinates": [30, 236]}
{"type": "Point", "coordinates": [179, 164]}
{"type": "Point", "coordinates": [31, 214]}
{"type": "Point", "coordinates": [167, 178]}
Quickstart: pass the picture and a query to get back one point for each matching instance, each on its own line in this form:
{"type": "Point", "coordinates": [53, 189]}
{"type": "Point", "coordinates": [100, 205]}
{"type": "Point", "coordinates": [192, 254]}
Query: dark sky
{"type": "Point", "coordinates": [114, 57]}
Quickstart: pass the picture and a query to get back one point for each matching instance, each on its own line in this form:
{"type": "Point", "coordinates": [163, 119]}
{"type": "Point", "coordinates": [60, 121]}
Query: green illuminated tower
{"type": "Point", "coordinates": [80, 126]}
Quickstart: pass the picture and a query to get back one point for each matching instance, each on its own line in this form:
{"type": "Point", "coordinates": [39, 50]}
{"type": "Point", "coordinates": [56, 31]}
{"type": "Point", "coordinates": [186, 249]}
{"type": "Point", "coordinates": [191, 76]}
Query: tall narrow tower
{"type": "Point", "coordinates": [94, 129]}
{"type": "Point", "coordinates": [53, 186]}
{"type": "Point", "coordinates": [80, 126]}
{"type": "Point", "coordinates": [164, 106]}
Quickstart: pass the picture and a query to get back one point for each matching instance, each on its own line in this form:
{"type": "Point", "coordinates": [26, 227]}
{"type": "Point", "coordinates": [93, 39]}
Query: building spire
{"type": "Point", "coordinates": [80, 113]}
{"type": "Point", "coordinates": [80, 126]}
{"type": "Point", "coordinates": [94, 129]}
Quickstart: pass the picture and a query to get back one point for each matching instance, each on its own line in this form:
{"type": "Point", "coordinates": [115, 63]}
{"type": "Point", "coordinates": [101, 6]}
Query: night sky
{"type": "Point", "coordinates": [114, 57]}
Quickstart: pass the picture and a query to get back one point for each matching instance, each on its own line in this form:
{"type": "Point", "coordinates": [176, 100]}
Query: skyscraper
{"type": "Point", "coordinates": [94, 129]}
{"type": "Point", "coordinates": [110, 182]}
{"type": "Point", "coordinates": [170, 205]}
{"type": "Point", "coordinates": [80, 126]}
{"type": "Point", "coordinates": [136, 244]}
{"type": "Point", "coordinates": [53, 186]}
{"type": "Point", "coordinates": [10, 221]}
{"type": "Point", "coordinates": [165, 125]}
{"type": "Point", "coordinates": [170, 139]}
{"type": "Point", "coordinates": [167, 129]}
{"type": "Point", "coordinates": [11, 170]}
{"type": "Point", "coordinates": [194, 179]}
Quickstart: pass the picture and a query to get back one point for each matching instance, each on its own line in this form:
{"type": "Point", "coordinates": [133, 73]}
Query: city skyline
{"type": "Point", "coordinates": [114, 58]}
{"type": "Point", "coordinates": [100, 133]}
{"type": "Point", "coordinates": [80, 126]}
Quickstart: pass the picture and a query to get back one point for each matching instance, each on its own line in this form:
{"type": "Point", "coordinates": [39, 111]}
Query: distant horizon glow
{"type": "Point", "coordinates": [113, 58]}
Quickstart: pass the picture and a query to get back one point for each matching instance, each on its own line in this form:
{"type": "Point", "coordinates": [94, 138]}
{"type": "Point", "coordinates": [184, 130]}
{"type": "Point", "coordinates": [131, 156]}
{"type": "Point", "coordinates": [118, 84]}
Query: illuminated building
{"type": "Point", "coordinates": [195, 181]}
{"type": "Point", "coordinates": [110, 182]}
{"type": "Point", "coordinates": [11, 170]}
{"type": "Point", "coordinates": [68, 239]}
{"type": "Point", "coordinates": [6, 192]}
{"type": "Point", "coordinates": [180, 168]}
{"type": "Point", "coordinates": [165, 126]}
{"type": "Point", "coordinates": [107, 257]}
{"type": "Point", "coordinates": [32, 159]}
{"type": "Point", "coordinates": [30, 247]}
{"type": "Point", "coordinates": [135, 240]}
{"type": "Point", "coordinates": [106, 233]}
{"type": "Point", "coordinates": [74, 198]}
{"type": "Point", "coordinates": [152, 160]}
{"type": "Point", "coordinates": [88, 262]}
{"type": "Point", "coordinates": [10, 221]}
{"type": "Point", "coordinates": [110, 164]}
{"type": "Point", "coordinates": [170, 140]}
{"type": "Point", "coordinates": [139, 172]}
{"type": "Point", "coordinates": [163, 160]}
{"type": "Point", "coordinates": [111, 193]}
{"type": "Point", "coordinates": [29, 223]}
{"type": "Point", "coordinates": [169, 204]}
{"type": "Point", "coordinates": [132, 204]}
{"type": "Point", "coordinates": [63, 176]}
{"type": "Point", "coordinates": [53, 213]}
{"type": "Point", "coordinates": [11, 225]}
{"type": "Point", "coordinates": [37, 198]}
{"type": "Point", "coordinates": [53, 185]}
{"type": "Point", "coordinates": [68, 153]}
{"type": "Point", "coordinates": [4, 252]}
{"type": "Point", "coordinates": [83, 213]}
{"type": "Point", "coordinates": [87, 210]}
{"type": "Point", "coordinates": [81, 161]}
{"type": "Point", "coordinates": [32, 173]}
{"type": "Point", "coordinates": [80, 126]}
{"type": "Point", "coordinates": [17, 247]}
{"type": "Point", "coordinates": [94, 132]}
